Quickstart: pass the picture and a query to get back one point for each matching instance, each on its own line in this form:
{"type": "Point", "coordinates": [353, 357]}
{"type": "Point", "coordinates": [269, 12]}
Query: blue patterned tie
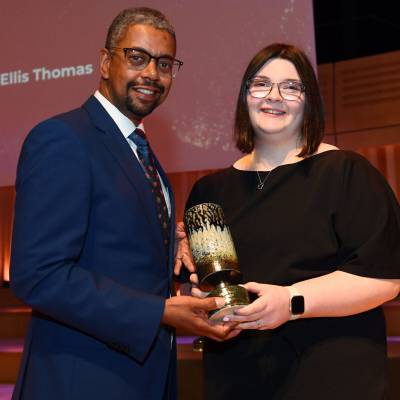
{"type": "Point", "coordinates": [146, 158]}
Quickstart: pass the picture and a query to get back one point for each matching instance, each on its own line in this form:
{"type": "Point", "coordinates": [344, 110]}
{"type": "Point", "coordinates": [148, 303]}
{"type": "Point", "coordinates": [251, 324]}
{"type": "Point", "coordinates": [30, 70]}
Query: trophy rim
{"type": "Point", "coordinates": [206, 202]}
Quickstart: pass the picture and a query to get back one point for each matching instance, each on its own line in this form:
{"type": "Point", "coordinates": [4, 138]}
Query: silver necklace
{"type": "Point", "coordinates": [261, 182]}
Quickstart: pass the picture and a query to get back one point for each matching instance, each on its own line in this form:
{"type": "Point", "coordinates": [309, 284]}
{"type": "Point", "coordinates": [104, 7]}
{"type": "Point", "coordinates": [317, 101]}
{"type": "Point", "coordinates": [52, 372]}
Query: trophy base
{"type": "Point", "coordinates": [218, 315]}
{"type": "Point", "coordinates": [235, 297]}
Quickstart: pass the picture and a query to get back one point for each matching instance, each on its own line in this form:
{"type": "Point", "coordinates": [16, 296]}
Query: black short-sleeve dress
{"type": "Point", "coordinates": [332, 211]}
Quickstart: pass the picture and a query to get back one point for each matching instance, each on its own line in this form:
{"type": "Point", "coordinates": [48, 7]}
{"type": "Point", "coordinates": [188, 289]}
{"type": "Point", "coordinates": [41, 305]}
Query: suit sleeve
{"type": "Point", "coordinates": [51, 218]}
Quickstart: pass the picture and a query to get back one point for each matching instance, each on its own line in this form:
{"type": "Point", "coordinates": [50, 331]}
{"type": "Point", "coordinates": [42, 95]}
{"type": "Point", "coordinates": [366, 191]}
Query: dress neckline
{"type": "Point", "coordinates": [314, 156]}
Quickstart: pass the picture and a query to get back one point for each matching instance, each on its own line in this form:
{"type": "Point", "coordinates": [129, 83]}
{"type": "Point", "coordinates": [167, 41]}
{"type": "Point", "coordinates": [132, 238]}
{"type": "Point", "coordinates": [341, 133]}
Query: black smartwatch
{"type": "Point", "coordinates": [296, 302]}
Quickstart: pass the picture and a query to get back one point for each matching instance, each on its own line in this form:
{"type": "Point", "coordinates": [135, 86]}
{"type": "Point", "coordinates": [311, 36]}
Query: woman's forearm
{"type": "Point", "coordinates": [340, 294]}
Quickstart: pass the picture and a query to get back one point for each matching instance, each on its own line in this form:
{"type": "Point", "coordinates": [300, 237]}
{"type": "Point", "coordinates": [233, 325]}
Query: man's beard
{"type": "Point", "coordinates": [142, 110]}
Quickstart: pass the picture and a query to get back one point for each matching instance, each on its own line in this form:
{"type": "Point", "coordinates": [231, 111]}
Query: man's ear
{"type": "Point", "coordinates": [105, 60]}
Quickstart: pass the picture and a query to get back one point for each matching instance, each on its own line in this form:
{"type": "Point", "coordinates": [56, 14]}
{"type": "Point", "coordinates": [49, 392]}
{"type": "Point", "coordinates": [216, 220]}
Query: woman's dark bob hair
{"type": "Point", "coordinates": [313, 121]}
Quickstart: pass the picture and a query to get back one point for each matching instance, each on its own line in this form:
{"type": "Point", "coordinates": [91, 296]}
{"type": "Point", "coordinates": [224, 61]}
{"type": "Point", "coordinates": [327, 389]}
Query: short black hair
{"type": "Point", "coordinates": [135, 16]}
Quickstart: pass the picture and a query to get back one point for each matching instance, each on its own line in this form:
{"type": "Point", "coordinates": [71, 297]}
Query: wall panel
{"type": "Point", "coordinates": [326, 83]}
{"type": "Point", "coordinates": [367, 92]}
{"type": "Point", "coordinates": [369, 137]}
{"type": "Point", "coordinates": [7, 197]}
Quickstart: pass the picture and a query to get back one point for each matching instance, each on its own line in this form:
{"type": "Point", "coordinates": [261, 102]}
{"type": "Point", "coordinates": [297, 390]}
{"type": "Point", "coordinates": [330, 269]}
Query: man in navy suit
{"type": "Point", "coordinates": [90, 254]}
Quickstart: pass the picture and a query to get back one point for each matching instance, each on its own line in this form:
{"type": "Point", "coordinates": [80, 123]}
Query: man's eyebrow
{"type": "Point", "coordinates": [148, 52]}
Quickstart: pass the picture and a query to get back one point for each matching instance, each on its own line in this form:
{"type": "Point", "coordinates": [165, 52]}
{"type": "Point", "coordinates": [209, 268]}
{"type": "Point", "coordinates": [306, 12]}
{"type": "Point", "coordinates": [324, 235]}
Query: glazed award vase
{"type": "Point", "coordinates": [215, 257]}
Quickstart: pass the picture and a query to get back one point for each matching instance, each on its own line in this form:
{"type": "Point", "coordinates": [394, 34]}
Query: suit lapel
{"type": "Point", "coordinates": [116, 143]}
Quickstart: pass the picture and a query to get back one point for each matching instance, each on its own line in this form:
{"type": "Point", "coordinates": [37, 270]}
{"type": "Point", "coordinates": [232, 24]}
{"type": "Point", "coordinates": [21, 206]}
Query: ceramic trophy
{"type": "Point", "coordinates": [215, 257]}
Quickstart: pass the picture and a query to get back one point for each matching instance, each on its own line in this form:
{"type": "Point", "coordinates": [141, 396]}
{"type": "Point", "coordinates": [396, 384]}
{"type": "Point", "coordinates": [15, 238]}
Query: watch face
{"type": "Point", "coordinates": [297, 305]}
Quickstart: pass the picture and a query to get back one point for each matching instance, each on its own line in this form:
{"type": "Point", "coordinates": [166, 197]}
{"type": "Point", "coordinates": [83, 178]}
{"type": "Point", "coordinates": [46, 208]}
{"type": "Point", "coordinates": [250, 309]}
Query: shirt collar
{"type": "Point", "coordinates": [125, 125]}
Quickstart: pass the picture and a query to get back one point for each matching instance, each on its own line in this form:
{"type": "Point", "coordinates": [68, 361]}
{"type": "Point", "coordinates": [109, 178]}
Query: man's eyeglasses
{"type": "Point", "coordinates": [139, 59]}
{"type": "Point", "coordinates": [261, 88]}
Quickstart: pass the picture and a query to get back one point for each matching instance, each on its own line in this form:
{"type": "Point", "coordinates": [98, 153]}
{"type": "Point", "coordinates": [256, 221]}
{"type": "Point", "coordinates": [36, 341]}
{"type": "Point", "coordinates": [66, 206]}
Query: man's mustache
{"type": "Point", "coordinates": [148, 84]}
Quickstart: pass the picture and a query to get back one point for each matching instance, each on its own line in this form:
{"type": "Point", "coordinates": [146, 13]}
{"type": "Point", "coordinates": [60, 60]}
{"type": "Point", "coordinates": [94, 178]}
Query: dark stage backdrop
{"type": "Point", "coordinates": [49, 64]}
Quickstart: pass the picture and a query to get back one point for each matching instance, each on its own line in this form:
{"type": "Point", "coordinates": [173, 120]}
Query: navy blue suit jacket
{"type": "Point", "coordinates": [88, 257]}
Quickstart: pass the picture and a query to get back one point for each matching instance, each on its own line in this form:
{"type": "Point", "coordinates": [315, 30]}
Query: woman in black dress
{"type": "Point", "coordinates": [317, 233]}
